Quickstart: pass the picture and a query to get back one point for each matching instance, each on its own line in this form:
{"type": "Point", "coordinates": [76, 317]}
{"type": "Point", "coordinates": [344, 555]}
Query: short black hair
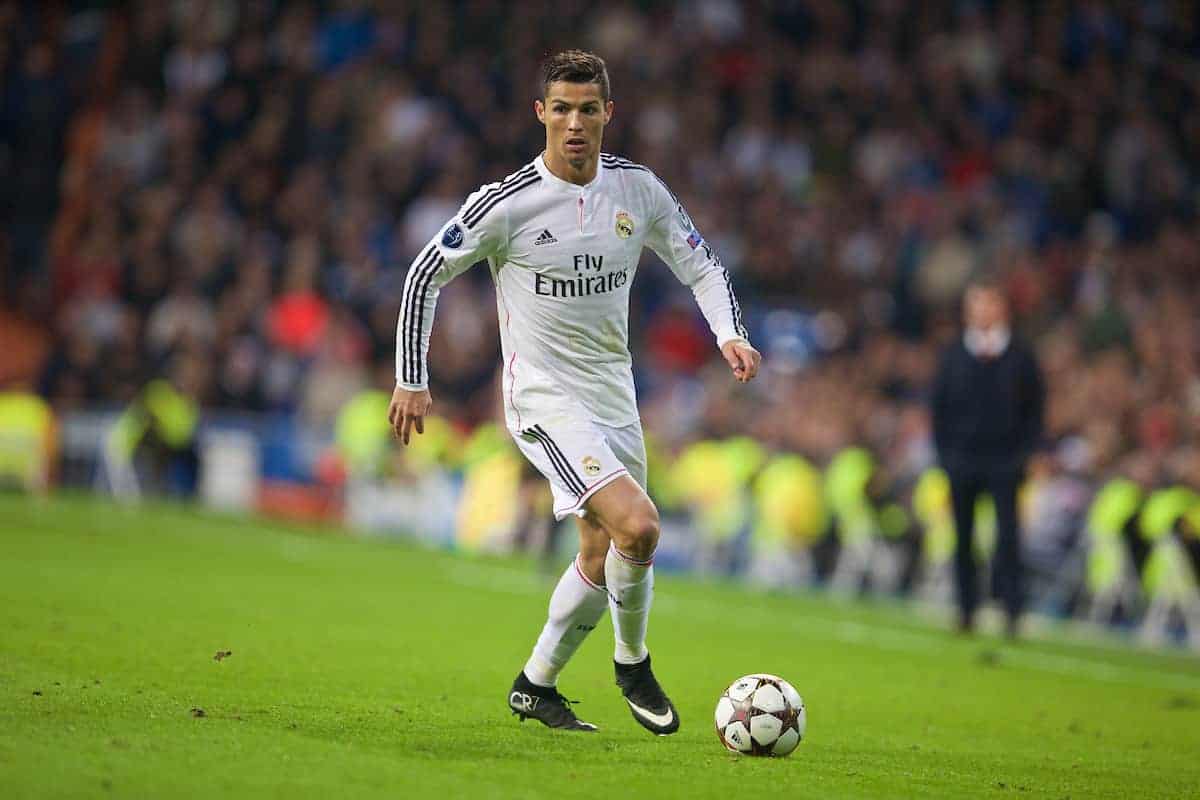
{"type": "Point", "coordinates": [987, 282]}
{"type": "Point", "coordinates": [575, 66]}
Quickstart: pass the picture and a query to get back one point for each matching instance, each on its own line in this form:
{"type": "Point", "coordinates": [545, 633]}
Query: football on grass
{"type": "Point", "coordinates": [760, 715]}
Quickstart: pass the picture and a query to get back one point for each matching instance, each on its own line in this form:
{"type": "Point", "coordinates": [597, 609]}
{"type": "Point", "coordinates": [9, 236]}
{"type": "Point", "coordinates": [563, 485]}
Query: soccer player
{"type": "Point", "coordinates": [562, 237]}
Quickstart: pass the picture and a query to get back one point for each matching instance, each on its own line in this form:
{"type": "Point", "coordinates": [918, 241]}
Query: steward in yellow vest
{"type": "Point", "coordinates": [28, 441]}
{"type": "Point", "coordinates": [1115, 549]}
{"type": "Point", "coordinates": [159, 430]}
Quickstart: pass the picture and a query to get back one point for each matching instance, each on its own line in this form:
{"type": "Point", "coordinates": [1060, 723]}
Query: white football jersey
{"type": "Point", "coordinates": [563, 258]}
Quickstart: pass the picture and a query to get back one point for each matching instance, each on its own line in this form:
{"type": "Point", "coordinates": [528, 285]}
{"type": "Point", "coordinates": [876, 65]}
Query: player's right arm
{"type": "Point", "coordinates": [475, 233]}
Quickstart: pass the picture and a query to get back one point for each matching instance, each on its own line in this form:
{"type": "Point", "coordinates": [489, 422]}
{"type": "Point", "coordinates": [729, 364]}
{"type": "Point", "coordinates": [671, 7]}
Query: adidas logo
{"type": "Point", "coordinates": [545, 237]}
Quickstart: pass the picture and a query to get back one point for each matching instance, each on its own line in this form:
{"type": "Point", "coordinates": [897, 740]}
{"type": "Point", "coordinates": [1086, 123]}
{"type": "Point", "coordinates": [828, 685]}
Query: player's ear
{"type": "Point", "coordinates": [608, 112]}
{"type": "Point", "coordinates": [539, 108]}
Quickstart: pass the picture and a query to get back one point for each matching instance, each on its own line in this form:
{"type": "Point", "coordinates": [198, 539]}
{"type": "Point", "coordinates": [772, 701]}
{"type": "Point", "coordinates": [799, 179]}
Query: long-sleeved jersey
{"type": "Point", "coordinates": [563, 258]}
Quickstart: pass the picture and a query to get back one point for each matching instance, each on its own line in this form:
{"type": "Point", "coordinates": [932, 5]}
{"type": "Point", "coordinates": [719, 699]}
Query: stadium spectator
{"type": "Point", "coordinates": [987, 408]}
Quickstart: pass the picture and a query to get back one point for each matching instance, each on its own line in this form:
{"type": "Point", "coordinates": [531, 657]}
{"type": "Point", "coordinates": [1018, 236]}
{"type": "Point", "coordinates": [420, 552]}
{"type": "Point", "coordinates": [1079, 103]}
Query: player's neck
{"type": "Point", "coordinates": [560, 167]}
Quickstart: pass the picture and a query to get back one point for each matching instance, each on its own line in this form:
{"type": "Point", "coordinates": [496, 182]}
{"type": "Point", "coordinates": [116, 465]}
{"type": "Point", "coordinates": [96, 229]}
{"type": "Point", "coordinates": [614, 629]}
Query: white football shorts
{"type": "Point", "coordinates": [581, 458]}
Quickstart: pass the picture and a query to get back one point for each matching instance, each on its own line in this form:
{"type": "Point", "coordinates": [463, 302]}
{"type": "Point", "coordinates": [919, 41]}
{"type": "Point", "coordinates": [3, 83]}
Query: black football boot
{"type": "Point", "coordinates": [647, 701]}
{"type": "Point", "coordinates": [529, 701]}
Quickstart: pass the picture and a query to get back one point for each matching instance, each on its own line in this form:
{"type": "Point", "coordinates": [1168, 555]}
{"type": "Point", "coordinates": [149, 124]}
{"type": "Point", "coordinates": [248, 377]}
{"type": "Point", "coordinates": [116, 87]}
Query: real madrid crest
{"type": "Point", "coordinates": [624, 224]}
{"type": "Point", "coordinates": [590, 465]}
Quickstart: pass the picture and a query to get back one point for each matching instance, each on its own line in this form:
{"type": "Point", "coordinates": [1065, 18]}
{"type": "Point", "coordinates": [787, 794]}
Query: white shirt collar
{"type": "Point", "coordinates": [558, 183]}
{"type": "Point", "coordinates": [987, 343]}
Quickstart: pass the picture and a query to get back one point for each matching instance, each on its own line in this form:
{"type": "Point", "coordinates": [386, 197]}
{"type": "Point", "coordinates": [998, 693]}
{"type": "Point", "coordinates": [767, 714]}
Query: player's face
{"type": "Point", "coordinates": [574, 115]}
{"type": "Point", "coordinates": [986, 308]}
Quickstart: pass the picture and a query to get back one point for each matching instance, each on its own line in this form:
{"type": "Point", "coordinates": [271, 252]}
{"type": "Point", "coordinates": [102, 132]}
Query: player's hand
{"type": "Point", "coordinates": [742, 358]}
{"type": "Point", "coordinates": [407, 411]}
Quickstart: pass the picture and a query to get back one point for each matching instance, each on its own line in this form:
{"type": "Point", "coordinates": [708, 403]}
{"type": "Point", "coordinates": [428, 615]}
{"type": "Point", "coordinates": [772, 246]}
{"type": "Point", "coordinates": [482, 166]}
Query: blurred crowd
{"type": "Point", "coordinates": [229, 193]}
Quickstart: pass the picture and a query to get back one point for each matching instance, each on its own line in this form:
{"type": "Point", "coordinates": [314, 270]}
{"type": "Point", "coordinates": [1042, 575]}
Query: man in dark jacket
{"type": "Point", "coordinates": [987, 419]}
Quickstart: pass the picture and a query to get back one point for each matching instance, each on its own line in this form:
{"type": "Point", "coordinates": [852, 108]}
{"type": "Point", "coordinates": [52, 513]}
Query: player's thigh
{"type": "Point", "coordinates": [624, 508]}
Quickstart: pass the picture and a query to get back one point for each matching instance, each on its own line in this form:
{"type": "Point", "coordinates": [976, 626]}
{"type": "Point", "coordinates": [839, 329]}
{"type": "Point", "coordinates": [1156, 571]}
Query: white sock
{"type": "Point", "coordinates": [631, 590]}
{"type": "Point", "coordinates": [576, 606]}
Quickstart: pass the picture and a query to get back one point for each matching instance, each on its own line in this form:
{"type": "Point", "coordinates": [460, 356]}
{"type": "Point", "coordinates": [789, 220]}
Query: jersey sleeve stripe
{"type": "Point", "coordinates": [473, 219]}
{"type": "Point", "coordinates": [422, 291]}
{"type": "Point", "coordinates": [407, 313]}
{"type": "Point", "coordinates": [412, 330]}
{"type": "Point", "coordinates": [738, 325]}
{"type": "Point", "coordinates": [621, 165]}
{"type": "Point", "coordinates": [520, 174]}
{"type": "Point", "coordinates": [617, 162]}
{"type": "Point", "coordinates": [417, 285]}
{"type": "Point", "coordinates": [572, 481]}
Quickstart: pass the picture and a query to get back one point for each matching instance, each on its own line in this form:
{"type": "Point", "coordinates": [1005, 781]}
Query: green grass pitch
{"type": "Point", "coordinates": [363, 668]}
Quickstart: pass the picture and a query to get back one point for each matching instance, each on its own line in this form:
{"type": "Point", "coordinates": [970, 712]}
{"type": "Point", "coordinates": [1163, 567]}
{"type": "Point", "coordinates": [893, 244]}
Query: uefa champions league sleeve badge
{"type": "Point", "coordinates": [453, 237]}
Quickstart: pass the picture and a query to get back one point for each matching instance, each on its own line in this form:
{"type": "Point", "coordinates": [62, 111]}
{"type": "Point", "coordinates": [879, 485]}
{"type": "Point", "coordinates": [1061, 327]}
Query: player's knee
{"type": "Point", "coordinates": [639, 531]}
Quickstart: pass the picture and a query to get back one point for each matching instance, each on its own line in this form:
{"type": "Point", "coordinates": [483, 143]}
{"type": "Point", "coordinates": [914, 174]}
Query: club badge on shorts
{"type": "Point", "coordinates": [591, 466]}
{"type": "Point", "coordinates": [624, 225]}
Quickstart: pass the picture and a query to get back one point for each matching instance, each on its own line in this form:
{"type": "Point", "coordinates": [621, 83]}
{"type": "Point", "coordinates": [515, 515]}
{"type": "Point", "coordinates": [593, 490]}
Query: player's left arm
{"type": "Point", "coordinates": [677, 242]}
